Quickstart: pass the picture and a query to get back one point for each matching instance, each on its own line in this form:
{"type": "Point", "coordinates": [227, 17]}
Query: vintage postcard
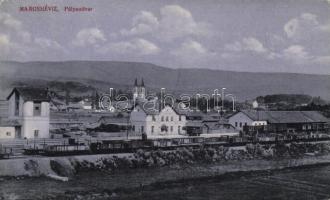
{"type": "Point", "coordinates": [165, 99]}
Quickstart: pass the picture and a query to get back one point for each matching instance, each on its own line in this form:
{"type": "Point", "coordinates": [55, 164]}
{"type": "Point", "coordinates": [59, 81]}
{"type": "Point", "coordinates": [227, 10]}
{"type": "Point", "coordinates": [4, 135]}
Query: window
{"type": "Point", "coordinates": [162, 118]}
{"type": "Point", "coordinates": [172, 118]}
{"type": "Point", "coordinates": [8, 133]}
{"type": "Point", "coordinates": [153, 118]}
{"type": "Point", "coordinates": [309, 127]}
{"type": "Point", "coordinates": [142, 129]}
{"type": "Point", "coordinates": [235, 124]}
{"type": "Point", "coordinates": [179, 117]}
{"type": "Point", "coordinates": [179, 129]}
{"type": "Point", "coordinates": [36, 109]}
{"type": "Point", "coordinates": [303, 127]}
{"type": "Point", "coordinates": [152, 129]}
{"type": "Point", "coordinates": [167, 118]}
{"type": "Point", "coordinates": [36, 133]}
{"type": "Point", "coordinates": [171, 128]}
{"type": "Point", "coordinates": [163, 128]}
{"type": "Point", "coordinates": [133, 128]}
{"type": "Point", "coordinates": [245, 124]}
{"type": "Point", "coordinates": [240, 124]}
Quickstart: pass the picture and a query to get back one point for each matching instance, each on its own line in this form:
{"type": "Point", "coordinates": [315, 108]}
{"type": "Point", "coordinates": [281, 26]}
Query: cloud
{"type": "Point", "coordinates": [4, 44]}
{"type": "Point", "coordinates": [174, 22]}
{"type": "Point", "coordinates": [4, 40]}
{"type": "Point", "coordinates": [136, 46]}
{"type": "Point", "coordinates": [246, 44]}
{"type": "Point", "coordinates": [304, 26]}
{"type": "Point", "coordinates": [323, 60]}
{"type": "Point", "coordinates": [24, 36]}
{"type": "Point", "coordinates": [47, 43]}
{"type": "Point", "coordinates": [11, 50]}
{"type": "Point", "coordinates": [6, 20]}
{"type": "Point", "coordinates": [190, 48]}
{"type": "Point", "coordinates": [252, 44]}
{"type": "Point", "coordinates": [192, 54]}
{"type": "Point", "coordinates": [178, 22]}
{"type": "Point", "coordinates": [89, 36]}
{"type": "Point", "coordinates": [144, 22]}
{"type": "Point", "coordinates": [16, 43]}
{"type": "Point", "coordinates": [296, 53]}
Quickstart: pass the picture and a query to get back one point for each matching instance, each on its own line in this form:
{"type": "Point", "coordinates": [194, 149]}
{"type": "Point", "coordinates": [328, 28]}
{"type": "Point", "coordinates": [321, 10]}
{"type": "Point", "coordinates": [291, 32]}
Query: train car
{"type": "Point", "coordinates": [119, 146]}
{"type": "Point", "coordinates": [63, 150]}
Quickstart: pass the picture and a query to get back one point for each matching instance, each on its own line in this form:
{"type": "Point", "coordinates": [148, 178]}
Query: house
{"type": "Point", "coordinates": [79, 106]}
{"type": "Point", "coordinates": [165, 122]}
{"type": "Point", "coordinates": [85, 104]}
{"type": "Point", "coordinates": [29, 107]}
{"type": "Point", "coordinates": [194, 123]}
{"type": "Point", "coordinates": [247, 118]}
{"type": "Point", "coordinates": [57, 106]}
{"type": "Point", "coordinates": [280, 121]}
{"type": "Point", "coordinates": [218, 127]}
{"type": "Point", "coordinates": [208, 125]}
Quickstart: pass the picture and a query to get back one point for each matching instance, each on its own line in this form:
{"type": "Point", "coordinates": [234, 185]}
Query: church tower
{"type": "Point", "coordinates": [142, 94]}
{"type": "Point", "coordinates": [135, 90]}
{"type": "Point", "coordinates": [139, 91]}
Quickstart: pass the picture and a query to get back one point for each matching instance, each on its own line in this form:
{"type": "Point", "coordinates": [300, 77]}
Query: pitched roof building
{"type": "Point", "coordinates": [280, 121]}
{"type": "Point", "coordinates": [29, 107]}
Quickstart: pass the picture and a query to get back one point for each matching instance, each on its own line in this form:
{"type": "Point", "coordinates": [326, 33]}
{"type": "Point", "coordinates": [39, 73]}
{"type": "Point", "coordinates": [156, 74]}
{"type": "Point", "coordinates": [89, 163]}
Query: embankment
{"type": "Point", "coordinates": [185, 161]}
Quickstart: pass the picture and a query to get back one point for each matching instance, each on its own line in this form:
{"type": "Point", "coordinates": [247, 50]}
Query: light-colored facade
{"type": "Point", "coordinates": [240, 119]}
{"type": "Point", "coordinates": [31, 112]}
{"type": "Point", "coordinates": [165, 123]}
{"type": "Point", "coordinates": [7, 132]}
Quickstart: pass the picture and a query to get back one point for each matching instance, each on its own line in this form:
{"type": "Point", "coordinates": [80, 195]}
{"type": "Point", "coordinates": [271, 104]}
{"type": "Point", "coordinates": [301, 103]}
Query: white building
{"type": "Point", "coordinates": [30, 108]}
{"type": "Point", "coordinates": [243, 118]}
{"type": "Point", "coordinates": [164, 123]}
{"type": "Point", "coordinates": [280, 121]}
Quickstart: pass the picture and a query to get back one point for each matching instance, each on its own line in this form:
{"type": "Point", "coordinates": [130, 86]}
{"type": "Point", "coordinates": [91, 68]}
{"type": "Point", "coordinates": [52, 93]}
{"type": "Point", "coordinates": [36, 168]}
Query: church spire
{"type": "Point", "coordinates": [142, 83]}
{"type": "Point", "coordinates": [135, 83]}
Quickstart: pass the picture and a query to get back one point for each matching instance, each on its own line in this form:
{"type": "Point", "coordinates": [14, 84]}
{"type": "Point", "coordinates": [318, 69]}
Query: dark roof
{"type": "Point", "coordinates": [286, 116]}
{"type": "Point", "coordinates": [31, 94]}
{"type": "Point", "coordinates": [9, 122]}
{"type": "Point", "coordinates": [148, 109]}
{"type": "Point", "coordinates": [113, 120]}
{"type": "Point", "coordinates": [217, 125]}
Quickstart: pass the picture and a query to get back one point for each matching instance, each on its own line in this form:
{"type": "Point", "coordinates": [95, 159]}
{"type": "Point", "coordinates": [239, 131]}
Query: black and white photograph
{"type": "Point", "coordinates": [164, 99]}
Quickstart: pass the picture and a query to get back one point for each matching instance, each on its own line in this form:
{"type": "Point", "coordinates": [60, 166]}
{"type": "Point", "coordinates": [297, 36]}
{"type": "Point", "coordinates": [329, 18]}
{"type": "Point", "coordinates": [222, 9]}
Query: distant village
{"type": "Point", "coordinates": [34, 118]}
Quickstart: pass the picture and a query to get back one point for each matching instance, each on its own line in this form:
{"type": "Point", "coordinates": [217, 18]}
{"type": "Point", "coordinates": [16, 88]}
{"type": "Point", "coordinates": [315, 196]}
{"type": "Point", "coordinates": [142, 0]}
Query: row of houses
{"type": "Point", "coordinates": [169, 122]}
{"type": "Point", "coordinates": [29, 117]}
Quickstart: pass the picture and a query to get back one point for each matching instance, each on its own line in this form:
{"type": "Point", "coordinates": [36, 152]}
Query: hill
{"type": "Point", "coordinates": [104, 74]}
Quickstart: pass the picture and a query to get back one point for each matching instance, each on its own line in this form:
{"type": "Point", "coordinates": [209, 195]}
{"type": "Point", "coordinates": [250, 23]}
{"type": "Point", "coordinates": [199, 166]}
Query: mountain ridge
{"type": "Point", "coordinates": [244, 85]}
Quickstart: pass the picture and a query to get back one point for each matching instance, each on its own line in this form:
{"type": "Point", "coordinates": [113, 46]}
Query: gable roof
{"type": "Point", "coordinates": [286, 116]}
{"type": "Point", "coordinates": [31, 94]}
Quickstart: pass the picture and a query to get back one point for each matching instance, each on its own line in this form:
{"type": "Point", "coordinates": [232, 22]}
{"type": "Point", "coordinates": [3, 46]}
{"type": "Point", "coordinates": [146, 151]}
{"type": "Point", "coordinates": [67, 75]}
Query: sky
{"type": "Point", "coordinates": [237, 35]}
